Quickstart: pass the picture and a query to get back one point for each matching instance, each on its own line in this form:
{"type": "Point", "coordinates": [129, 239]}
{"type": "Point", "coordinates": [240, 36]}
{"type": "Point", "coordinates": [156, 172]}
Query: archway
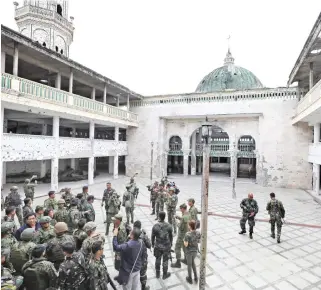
{"type": "Point", "coordinates": [219, 154]}
{"type": "Point", "coordinates": [246, 161]}
{"type": "Point", "coordinates": [175, 157]}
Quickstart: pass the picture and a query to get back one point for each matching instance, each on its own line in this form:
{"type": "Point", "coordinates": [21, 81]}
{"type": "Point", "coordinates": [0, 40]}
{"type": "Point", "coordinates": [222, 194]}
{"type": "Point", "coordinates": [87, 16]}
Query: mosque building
{"type": "Point", "coordinates": [61, 120]}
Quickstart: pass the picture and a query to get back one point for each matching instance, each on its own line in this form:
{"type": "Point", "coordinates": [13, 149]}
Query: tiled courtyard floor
{"type": "Point", "coordinates": [235, 261]}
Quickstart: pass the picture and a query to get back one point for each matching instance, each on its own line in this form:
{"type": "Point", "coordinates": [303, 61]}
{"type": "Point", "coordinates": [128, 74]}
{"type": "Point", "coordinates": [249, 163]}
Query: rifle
{"type": "Point", "coordinates": [111, 282]}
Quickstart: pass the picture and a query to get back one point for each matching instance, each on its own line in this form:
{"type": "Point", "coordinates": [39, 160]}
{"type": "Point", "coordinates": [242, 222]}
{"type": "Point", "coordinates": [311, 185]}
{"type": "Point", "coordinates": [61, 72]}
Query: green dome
{"type": "Point", "coordinates": [228, 77]}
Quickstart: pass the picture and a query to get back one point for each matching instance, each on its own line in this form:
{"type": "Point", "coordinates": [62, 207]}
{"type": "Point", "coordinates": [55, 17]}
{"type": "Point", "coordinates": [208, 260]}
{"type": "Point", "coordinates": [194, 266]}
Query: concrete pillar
{"type": "Point", "coordinates": [165, 164]}
{"type": "Point", "coordinates": [55, 127]}
{"type": "Point", "coordinates": [111, 164]}
{"type": "Point", "coordinates": [127, 102]}
{"type": "Point", "coordinates": [316, 133]}
{"type": "Point", "coordinates": [43, 164]}
{"type": "Point", "coordinates": [117, 134]}
{"type": "Point", "coordinates": [200, 165]}
{"type": "Point", "coordinates": [311, 76]}
{"type": "Point", "coordinates": [117, 101]}
{"type": "Point", "coordinates": [71, 81]}
{"type": "Point", "coordinates": [54, 173]}
{"type": "Point", "coordinates": [316, 178]}
{"type": "Point", "coordinates": [93, 94]}
{"type": "Point", "coordinates": [3, 61]}
{"type": "Point", "coordinates": [116, 166]}
{"type": "Point", "coordinates": [58, 81]}
{"type": "Point", "coordinates": [105, 94]}
{"type": "Point", "coordinates": [193, 154]}
{"type": "Point", "coordinates": [15, 59]}
{"type": "Point", "coordinates": [92, 158]}
{"type": "Point", "coordinates": [233, 158]}
{"type": "Point", "coordinates": [185, 164]}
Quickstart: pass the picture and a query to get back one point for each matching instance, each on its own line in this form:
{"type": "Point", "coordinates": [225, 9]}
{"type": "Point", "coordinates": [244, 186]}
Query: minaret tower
{"type": "Point", "coordinates": [46, 22]}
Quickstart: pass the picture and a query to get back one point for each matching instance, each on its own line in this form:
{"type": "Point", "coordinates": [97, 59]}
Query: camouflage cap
{"type": "Point", "coordinates": [90, 226]}
{"type": "Point", "coordinates": [117, 217]}
{"type": "Point", "coordinates": [38, 207]}
{"type": "Point", "coordinates": [183, 206]}
{"type": "Point", "coordinates": [14, 188]}
{"type": "Point", "coordinates": [7, 226]}
{"type": "Point", "coordinates": [171, 189]}
{"type": "Point", "coordinates": [27, 235]}
{"type": "Point", "coordinates": [74, 202]}
{"type": "Point", "coordinates": [61, 201]}
{"type": "Point", "coordinates": [45, 219]}
{"type": "Point", "coordinates": [191, 200]}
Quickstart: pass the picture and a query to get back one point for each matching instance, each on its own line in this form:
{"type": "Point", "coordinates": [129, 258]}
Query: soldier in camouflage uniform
{"type": "Point", "coordinates": [128, 203]}
{"type": "Point", "coordinates": [133, 187]}
{"type": "Point", "coordinates": [14, 199]}
{"type": "Point", "coordinates": [21, 252]}
{"type": "Point", "coordinates": [89, 209]}
{"type": "Point", "coordinates": [50, 213]}
{"type": "Point", "coordinates": [74, 215]}
{"type": "Point", "coordinates": [191, 240]}
{"type": "Point", "coordinates": [161, 196]}
{"type": "Point", "coordinates": [61, 214]}
{"type": "Point", "coordinates": [47, 231]}
{"type": "Point", "coordinates": [193, 212]}
{"type": "Point", "coordinates": [67, 196]}
{"type": "Point", "coordinates": [112, 208]}
{"type": "Point", "coordinates": [98, 273]}
{"type": "Point", "coordinates": [153, 195]}
{"type": "Point", "coordinates": [277, 213]}
{"type": "Point", "coordinates": [79, 234]}
{"type": "Point", "coordinates": [182, 230]}
{"type": "Point", "coordinates": [250, 209]}
{"type": "Point", "coordinates": [121, 237]}
{"type": "Point", "coordinates": [164, 181]}
{"type": "Point", "coordinates": [162, 240]}
{"type": "Point", "coordinates": [93, 236]}
{"type": "Point", "coordinates": [39, 273]}
{"type": "Point", "coordinates": [8, 281]}
{"type": "Point", "coordinates": [73, 271]}
{"type": "Point", "coordinates": [145, 239]}
{"type": "Point", "coordinates": [51, 202]}
{"type": "Point", "coordinates": [7, 238]}
{"type": "Point", "coordinates": [54, 251]}
{"type": "Point", "coordinates": [29, 187]}
{"type": "Point", "coordinates": [39, 212]}
{"type": "Point", "coordinates": [171, 208]}
{"type": "Point", "coordinates": [27, 207]}
{"type": "Point", "coordinates": [9, 217]}
{"type": "Point", "coordinates": [107, 194]}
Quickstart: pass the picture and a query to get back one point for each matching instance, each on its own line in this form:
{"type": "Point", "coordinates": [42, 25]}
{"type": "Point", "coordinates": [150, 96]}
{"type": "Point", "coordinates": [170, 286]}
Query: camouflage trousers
{"type": "Point", "coordinates": [159, 206]}
{"type": "Point", "coordinates": [250, 220]}
{"type": "Point", "coordinates": [153, 201]}
{"type": "Point", "coordinates": [30, 195]}
{"type": "Point", "coordinates": [129, 214]}
{"type": "Point", "coordinates": [278, 223]}
{"type": "Point", "coordinates": [171, 218]}
{"type": "Point", "coordinates": [190, 257]}
{"type": "Point", "coordinates": [19, 215]}
{"type": "Point", "coordinates": [143, 274]}
{"type": "Point", "coordinates": [158, 254]}
{"type": "Point", "coordinates": [179, 246]}
{"type": "Point", "coordinates": [109, 215]}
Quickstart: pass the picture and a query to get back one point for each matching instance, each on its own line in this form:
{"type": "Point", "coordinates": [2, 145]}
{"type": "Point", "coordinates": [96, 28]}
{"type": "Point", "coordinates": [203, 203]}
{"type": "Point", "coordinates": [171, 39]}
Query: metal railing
{"type": "Point", "coordinates": [37, 90]}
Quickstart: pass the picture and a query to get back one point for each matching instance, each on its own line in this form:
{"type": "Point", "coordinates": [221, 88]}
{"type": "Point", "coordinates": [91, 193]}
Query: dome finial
{"type": "Point", "coordinates": [229, 59]}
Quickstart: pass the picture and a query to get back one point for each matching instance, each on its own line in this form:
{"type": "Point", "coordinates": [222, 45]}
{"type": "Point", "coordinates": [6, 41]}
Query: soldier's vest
{"type": "Point", "coordinates": [89, 243]}
{"type": "Point", "coordinates": [73, 217]}
{"type": "Point", "coordinates": [19, 257]}
{"type": "Point", "coordinates": [14, 199]}
{"type": "Point", "coordinates": [33, 280]}
{"type": "Point", "coordinates": [61, 215]}
{"type": "Point", "coordinates": [275, 208]}
{"type": "Point", "coordinates": [54, 250]}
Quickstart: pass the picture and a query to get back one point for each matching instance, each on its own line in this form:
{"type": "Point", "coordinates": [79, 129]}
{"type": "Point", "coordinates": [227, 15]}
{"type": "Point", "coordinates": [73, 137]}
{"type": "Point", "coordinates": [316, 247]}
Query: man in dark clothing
{"type": "Point", "coordinates": [133, 254]}
{"type": "Point", "coordinates": [30, 222]}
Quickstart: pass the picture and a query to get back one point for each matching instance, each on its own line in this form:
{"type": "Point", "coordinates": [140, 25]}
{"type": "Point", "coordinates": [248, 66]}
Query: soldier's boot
{"type": "Point", "coordinates": [196, 279]}
{"type": "Point", "coordinates": [177, 264]}
{"type": "Point", "coordinates": [153, 212]}
{"type": "Point", "coordinates": [243, 231]}
{"type": "Point", "coordinates": [189, 280]}
{"type": "Point", "coordinates": [184, 261]}
{"type": "Point", "coordinates": [158, 274]}
{"type": "Point", "coordinates": [273, 235]}
{"type": "Point", "coordinates": [156, 217]}
{"type": "Point", "coordinates": [251, 235]}
{"type": "Point", "coordinates": [166, 274]}
{"type": "Point", "coordinates": [107, 229]}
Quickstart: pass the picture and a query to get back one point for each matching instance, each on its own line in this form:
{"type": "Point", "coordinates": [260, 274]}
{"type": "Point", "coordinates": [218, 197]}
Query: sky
{"type": "Point", "coordinates": [157, 47]}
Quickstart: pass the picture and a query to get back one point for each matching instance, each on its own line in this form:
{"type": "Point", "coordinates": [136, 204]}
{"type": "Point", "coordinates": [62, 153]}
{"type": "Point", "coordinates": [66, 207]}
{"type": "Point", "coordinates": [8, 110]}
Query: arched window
{"type": "Point", "coordinates": [246, 143]}
{"type": "Point", "coordinates": [59, 9]}
{"type": "Point", "coordinates": [57, 49]}
{"type": "Point", "coordinates": [175, 143]}
{"type": "Point", "coordinates": [61, 51]}
{"type": "Point", "coordinates": [44, 44]}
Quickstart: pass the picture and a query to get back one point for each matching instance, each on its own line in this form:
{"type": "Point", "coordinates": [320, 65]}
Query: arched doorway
{"type": "Point", "coordinates": [219, 154]}
{"type": "Point", "coordinates": [175, 159]}
{"type": "Point", "coordinates": [246, 161]}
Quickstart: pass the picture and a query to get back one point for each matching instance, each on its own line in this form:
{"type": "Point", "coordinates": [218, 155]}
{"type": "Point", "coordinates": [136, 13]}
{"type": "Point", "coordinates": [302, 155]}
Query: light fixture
{"type": "Point", "coordinates": [316, 51]}
{"type": "Point", "coordinates": [44, 81]}
{"type": "Point", "coordinates": [206, 131]}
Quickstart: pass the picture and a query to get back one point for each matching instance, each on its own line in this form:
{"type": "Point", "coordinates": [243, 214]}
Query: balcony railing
{"type": "Point", "coordinates": [310, 98]}
{"type": "Point", "coordinates": [246, 147]}
{"type": "Point", "coordinates": [39, 11]}
{"type": "Point", "coordinates": [37, 90]}
{"type": "Point", "coordinates": [175, 146]}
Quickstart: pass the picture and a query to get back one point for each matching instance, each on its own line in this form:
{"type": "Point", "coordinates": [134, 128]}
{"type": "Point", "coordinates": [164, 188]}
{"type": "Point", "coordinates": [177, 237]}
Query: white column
{"type": "Point", "coordinates": [3, 61]}
{"type": "Point", "coordinates": [93, 94]}
{"type": "Point", "coordinates": [71, 81]}
{"type": "Point", "coordinates": [111, 164]}
{"type": "Point", "coordinates": [311, 76]}
{"type": "Point", "coordinates": [58, 81]}
{"type": "Point", "coordinates": [115, 171]}
{"type": "Point", "coordinates": [15, 59]}
{"type": "Point", "coordinates": [55, 160]}
{"type": "Point", "coordinates": [127, 102]}
{"type": "Point", "coordinates": [105, 94]}
{"type": "Point", "coordinates": [316, 133]}
{"type": "Point", "coordinates": [117, 101]}
{"type": "Point", "coordinates": [92, 158]}
{"type": "Point", "coordinates": [185, 164]}
{"type": "Point", "coordinates": [193, 154]}
{"type": "Point", "coordinates": [316, 178]}
{"type": "Point", "coordinates": [43, 167]}
{"type": "Point", "coordinates": [233, 157]}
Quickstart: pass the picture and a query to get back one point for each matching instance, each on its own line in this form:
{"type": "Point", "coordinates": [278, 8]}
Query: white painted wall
{"type": "Point", "coordinates": [282, 148]}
